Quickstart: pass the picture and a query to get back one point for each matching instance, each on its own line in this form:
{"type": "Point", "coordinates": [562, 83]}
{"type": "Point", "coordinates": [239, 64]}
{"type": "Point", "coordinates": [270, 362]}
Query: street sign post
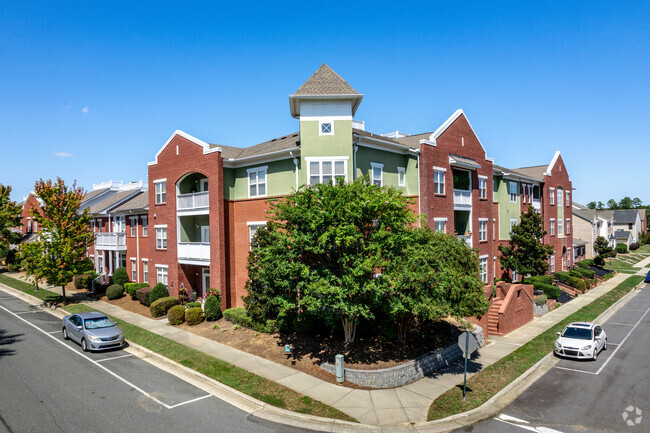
{"type": "Point", "coordinates": [467, 343]}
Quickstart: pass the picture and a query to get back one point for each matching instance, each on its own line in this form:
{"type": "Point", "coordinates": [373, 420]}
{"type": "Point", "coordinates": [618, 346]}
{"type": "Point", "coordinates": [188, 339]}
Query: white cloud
{"type": "Point", "coordinates": [63, 154]}
{"type": "Point", "coordinates": [85, 110]}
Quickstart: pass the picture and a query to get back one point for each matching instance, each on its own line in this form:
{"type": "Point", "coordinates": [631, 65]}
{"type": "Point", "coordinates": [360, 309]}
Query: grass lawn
{"type": "Point", "coordinates": [624, 262]}
{"type": "Point", "coordinates": [228, 374]}
{"type": "Point", "coordinates": [489, 381]}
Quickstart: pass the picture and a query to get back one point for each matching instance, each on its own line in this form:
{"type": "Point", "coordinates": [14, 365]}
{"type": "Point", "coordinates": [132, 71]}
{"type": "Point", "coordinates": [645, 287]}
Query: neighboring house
{"type": "Point", "coordinates": [588, 224]}
{"type": "Point", "coordinates": [29, 227]}
{"type": "Point", "coordinates": [623, 237]}
{"type": "Point", "coordinates": [644, 220]}
{"type": "Point", "coordinates": [628, 220]}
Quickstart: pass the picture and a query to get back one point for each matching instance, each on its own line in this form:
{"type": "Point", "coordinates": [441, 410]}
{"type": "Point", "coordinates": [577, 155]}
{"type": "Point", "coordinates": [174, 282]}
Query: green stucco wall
{"type": "Point", "coordinates": [190, 227]}
{"type": "Point", "coordinates": [507, 210]}
{"type": "Point", "coordinates": [280, 179]}
{"type": "Point", "coordinates": [390, 160]}
{"type": "Point", "coordinates": [314, 145]}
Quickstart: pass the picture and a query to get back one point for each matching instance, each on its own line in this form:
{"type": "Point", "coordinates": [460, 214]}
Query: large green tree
{"type": "Point", "coordinates": [322, 249]}
{"type": "Point", "coordinates": [437, 275]}
{"type": "Point", "coordinates": [9, 218]}
{"type": "Point", "coordinates": [58, 253]}
{"type": "Point", "coordinates": [602, 248]}
{"type": "Point", "coordinates": [525, 253]}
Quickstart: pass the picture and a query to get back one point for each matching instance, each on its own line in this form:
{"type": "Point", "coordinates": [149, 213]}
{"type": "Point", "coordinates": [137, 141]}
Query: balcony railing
{"type": "Point", "coordinates": [462, 198]}
{"type": "Point", "coordinates": [110, 241]}
{"type": "Point", "coordinates": [467, 239]}
{"type": "Point", "coordinates": [536, 203]}
{"type": "Point", "coordinates": [198, 200]}
{"type": "Point", "coordinates": [194, 251]}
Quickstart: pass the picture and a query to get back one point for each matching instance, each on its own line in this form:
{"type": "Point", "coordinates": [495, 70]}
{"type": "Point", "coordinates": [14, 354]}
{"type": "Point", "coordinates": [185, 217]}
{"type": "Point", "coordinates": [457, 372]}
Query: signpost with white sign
{"type": "Point", "coordinates": [468, 344]}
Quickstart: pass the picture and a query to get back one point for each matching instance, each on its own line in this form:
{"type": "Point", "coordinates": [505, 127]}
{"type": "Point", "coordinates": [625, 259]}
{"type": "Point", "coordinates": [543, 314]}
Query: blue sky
{"type": "Point", "coordinates": [91, 90]}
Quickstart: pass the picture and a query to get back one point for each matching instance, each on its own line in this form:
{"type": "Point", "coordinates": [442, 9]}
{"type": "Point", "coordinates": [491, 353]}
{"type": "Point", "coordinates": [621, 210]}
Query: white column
{"type": "Point", "coordinates": [110, 263]}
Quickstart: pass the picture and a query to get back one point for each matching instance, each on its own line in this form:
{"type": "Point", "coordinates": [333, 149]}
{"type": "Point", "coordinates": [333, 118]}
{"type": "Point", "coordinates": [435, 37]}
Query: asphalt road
{"type": "Point", "coordinates": [50, 385]}
{"type": "Point", "coordinates": [587, 396]}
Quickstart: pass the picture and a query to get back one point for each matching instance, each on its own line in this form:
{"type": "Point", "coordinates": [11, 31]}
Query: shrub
{"type": "Point", "coordinates": [564, 277]}
{"type": "Point", "coordinates": [158, 291]}
{"type": "Point", "coordinates": [240, 317]}
{"type": "Point", "coordinates": [194, 316]}
{"type": "Point", "coordinates": [621, 248]}
{"type": "Point", "coordinates": [608, 276]}
{"type": "Point", "coordinates": [120, 276]}
{"type": "Point", "coordinates": [585, 263]}
{"type": "Point", "coordinates": [143, 295]}
{"type": "Point", "coordinates": [114, 291]}
{"type": "Point", "coordinates": [131, 288]}
{"type": "Point", "coordinates": [176, 315]}
{"type": "Point", "coordinates": [160, 306]}
{"type": "Point", "coordinates": [599, 261]}
{"type": "Point", "coordinates": [85, 266]}
{"type": "Point", "coordinates": [87, 280]}
{"type": "Point", "coordinates": [213, 306]}
{"type": "Point", "coordinates": [579, 284]}
{"type": "Point", "coordinates": [548, 279]}
{"type": "Point", "coordinates": [586, 273]}
{"type": "Point", "coordinates": [191, 304]}
{"type": "Point", "coordinates": [541, 300]}
{"type": "Point", "coordinates": [575, 273]}
{"type": "Point", "coordinates": [182, 295]}
{"type": "Point", "coordinates": [78, 282]}
{"type": "Point", "coordinates": [634, 246]}
{"type": "Point", "coordinates": [551, 291]}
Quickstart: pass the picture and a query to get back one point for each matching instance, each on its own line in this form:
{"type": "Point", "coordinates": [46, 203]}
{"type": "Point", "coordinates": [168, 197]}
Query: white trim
{"type": "Point", "coordinates": [133, 258]}
{"type": "Point", "coordinates": [145, 260]}
{"type": "Point", "coordinates": [483, 219]}
{"type": "Point", "coordinates": [552, 164]}
{"type": "Point", "coordinates": [438, 132]}
{"type": "Point", "coordinates": [332, 159]}
{"type": "Point", "coordinates": [480, 176]}
{"type": "Point", "coordinates": [428, 142]}
{"type": "Point", "coordinates": [161, 266]}
{"type": "Point", "coordinates": [160, 226]}
{"type": "Point", "coordinates": [203, 144]}
{"type": "Point", "coordinates": [401, 171]}
{"type": "Point", "coordinates": [330, 121]}
{"type": "Point", "coordinates": [440, 219]}
{"type": "Point", "coordinates": [362, 140]}
{"type": "Point", "coordinates": [257, 170]}
{"type": "Point", "coordinates": [325, 119]}
{"type": "Point", "coordinates": [263, 167]}
{"type": "Point", "coordinates": [256, 223]}
{"type": "Point", "coordinates": [439, 168]}
{"type": "Point", "coordinates": [484, 256]}
{"type": "Point", "coordinates": [380, 166]}
{"type": "Point", "coordinates": [160, 180]}
{"type": "Point", "coordinates": [326, 158]}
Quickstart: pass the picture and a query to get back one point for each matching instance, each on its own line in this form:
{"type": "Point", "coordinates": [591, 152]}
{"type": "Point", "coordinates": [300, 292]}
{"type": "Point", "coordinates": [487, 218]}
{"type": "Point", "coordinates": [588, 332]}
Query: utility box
{"type": "Point", "coordinates": [340, 368]}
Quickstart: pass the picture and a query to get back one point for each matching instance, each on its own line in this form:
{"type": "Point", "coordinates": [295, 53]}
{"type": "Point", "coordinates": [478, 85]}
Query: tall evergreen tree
{"type": "Point", "coordinates": [9, 218]}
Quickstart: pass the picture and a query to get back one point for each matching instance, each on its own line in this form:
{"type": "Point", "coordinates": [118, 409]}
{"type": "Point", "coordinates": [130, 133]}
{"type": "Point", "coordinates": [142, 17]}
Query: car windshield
{"type": "Point", "coordinates": [98, 322]}
{"type": "Point", "coordinates": [577, 333]}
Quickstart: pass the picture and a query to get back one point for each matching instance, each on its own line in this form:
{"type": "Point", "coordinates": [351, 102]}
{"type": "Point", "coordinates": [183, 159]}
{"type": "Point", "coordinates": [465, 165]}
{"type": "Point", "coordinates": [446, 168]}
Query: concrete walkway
{"type": "Point", "coordinates": [386, 407]}
{"type": "Point", "coordinates": [643, 263]}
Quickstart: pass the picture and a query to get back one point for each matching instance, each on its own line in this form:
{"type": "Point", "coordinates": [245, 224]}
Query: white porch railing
{"type": "Point", "coordinates": [194, 251]}
{"type": "Point", "coordinates": [467, 239]}
{"type": "Point", "coordinates": [536, 204]}
{"type": "Point", "coordinates": [462, 198]}
{"type": "Point", "coordinates": [198, 200]}
{"type": "Point", "coordinates": [110, 241]}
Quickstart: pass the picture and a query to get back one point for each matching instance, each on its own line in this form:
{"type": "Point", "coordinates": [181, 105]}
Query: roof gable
{"type": "Point", "coordinates": [207, 148]}
{"type": "Point", "coordinates": [438, 132]}
{"type": "Point", "coordinates": [325, 82]}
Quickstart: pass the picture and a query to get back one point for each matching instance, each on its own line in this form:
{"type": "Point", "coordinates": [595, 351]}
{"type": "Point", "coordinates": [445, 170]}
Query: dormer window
{"type": "Point", "coordinates": [326, 128]}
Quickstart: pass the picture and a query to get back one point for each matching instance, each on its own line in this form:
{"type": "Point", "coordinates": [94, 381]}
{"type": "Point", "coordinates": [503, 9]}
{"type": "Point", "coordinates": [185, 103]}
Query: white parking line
{"type": "Point", "coordinates": [614, 352]}
{"type": "Point", "coordinates": [621, 324]}
{"type": "Point", "coordinates": [54, 332]}
{"type": "Point", "coordinates": [115, 357]}
{"type": "Point", "coordinates": [141, 391]}
{"type": "Point", "coordinates": [511, 420]}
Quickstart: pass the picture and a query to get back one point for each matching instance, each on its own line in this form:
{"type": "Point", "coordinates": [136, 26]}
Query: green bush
{"type": "Point", "coordinates": [176, 315]}
{"type": "Point", "coordinates": [548, 279]}
{"type": "Point", "coordinates": [634, 246]}
{"type": "Point", "coordinates": [191, 304]}
{"type": "Point", "coordinates": [599, 261]}
{"type": "Point", "coordinates": [158, 291]}
{"type": "Point", "coordinates": [564, 277]}
{"type": "Point", "coordinates": [551, 291]}
{"type": "Point", "coordinates": [240, 317]}
{"type": "Point", "coordinates": [114, 291]}
{"type": "Point", "coordinates": [541, 300]}
{"type": "Point", "coordinates": [160, 306]}
{"type": "Point", "coordinates": [194, 316]}
{"type": "Point", "coordinates": [78, 282]}
{"type": "Point", "coordinates": [213, 306]}
{"type": "Point", "coordinates": [621, 248]}
{"type": "Point", "coordinates": [87, 280]}
{"type": "Point", "coordinates": [120, 276]}
{"type": "Point", "coordinates": [578, 283]}
{"type": "Point", "coordinates": [585, 263]}
{"type": "Point", "coordinates": [608, 276]}
{"type": "Point", "coordinates": [131, 288]}
{"type": "Point", "coordinates": [586, 273]}
{"type": "Point", "coordinates": [575, 273]}
{"type": "Point", "coordinates": [143, 295]}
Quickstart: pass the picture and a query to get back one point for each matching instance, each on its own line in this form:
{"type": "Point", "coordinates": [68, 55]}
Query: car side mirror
{"type": "Point", "coordinates": [79, 328]}
{"type": "Point", "coordinates": [558, 334]}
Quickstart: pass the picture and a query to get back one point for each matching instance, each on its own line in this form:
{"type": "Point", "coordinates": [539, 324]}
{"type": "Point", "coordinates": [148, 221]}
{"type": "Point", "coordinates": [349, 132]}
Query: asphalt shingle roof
{"type": "Point", "coordinates": [625, 216]}
{"type": "Point", "coordinates": [413, 141]}
{"type": "Point", "coordinates": [287, 142]}
{"type": "Point", "coordinates": [621, 234]}
{"type": "Point", "coordinates": [139, 202]}
{"type": "Point", "coordinates": [325, 82]}
{"type": "Point", "coordinates": [536, 172]}
{"type": "Point", "coordinates": [94, 193]}
{"type": "Point", "coordinates": [110, 201]}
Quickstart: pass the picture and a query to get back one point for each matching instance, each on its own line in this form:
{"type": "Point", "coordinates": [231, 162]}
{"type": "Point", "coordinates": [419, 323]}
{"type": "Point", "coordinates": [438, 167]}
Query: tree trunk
{"type": "Point", "coordinates": [403, 324]}
{"type": "Point", "coordinates": [63, 290]}
{"type": "Point", "coordinates": [349, 329]}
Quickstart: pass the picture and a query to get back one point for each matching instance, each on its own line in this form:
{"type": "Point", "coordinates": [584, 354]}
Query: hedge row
{"type": "Point", "coordinates": [160, 306]}
{"type": "Point", "coordinates": [239, 316]}
{"type": "Point", "coordinates": [132, 287]}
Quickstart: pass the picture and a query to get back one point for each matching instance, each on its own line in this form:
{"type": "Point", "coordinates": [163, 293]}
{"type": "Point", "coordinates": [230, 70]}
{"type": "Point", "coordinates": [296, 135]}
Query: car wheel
{"type": "Point", "coordinates": [605, 345]}
{"type": "Point", "coordinates": [595, 357]}
{"type": "Point", "coordinates": [65, 334]}
{"type": "Point", "coordinates": [84, 345]}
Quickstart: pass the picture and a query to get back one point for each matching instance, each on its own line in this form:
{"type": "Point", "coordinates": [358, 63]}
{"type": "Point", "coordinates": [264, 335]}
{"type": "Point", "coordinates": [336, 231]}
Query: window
{"type": "Point", "coordinates": [552, 258]}
{"type": "Point", "coordinates": [326, 170]}
{"type": "Point", "coordinates": [92, 226]}
{"type": "Point", "coordinates": [161, 274]}
{"type": "Point", "coordinates": [121, 260]}
{"type": "Point", "coordinates": [440, 225]}
{"type": "Point", "coordinates": [161, 237]}
{"type": "Point", "coordinates": [559, 196]}
{"type": "Point", "coordinates": [568, 226]}
{"type": "Point", "coordinates": [552, 227]}
{"type": "Point", "coordinates": [482, 187]}
{"type": "Point", "coordinates": [567, 198]}
{"type": "Point", "coordinates": [144, 225]}
{"type": "Point", "coordinates": [483, 268]}
{"type": "Point", "coordinates": [495, 184]}
{"type": "Point", "coordinates": [513, 191]}
{"type": "Point", "coordinates": [482, 230]}
{"type": "Point", "coordinates": [145, 270]}
{"type": "Point", "coordinates": [99, 226]}
{"type": "Point", "coordinates": [35, 227]}
{"type": "Point", "coordinates": [161, 195]}
{"type": "Point", "coordinates": [377, 174]}
{"type": "Point", "coordinates": [100, 261]}
{"type": "Point", "coordinates": [29, 225]}
{"type": "Point", "coordinates": [551, 195]}
{"type": "Point", "coordinates": [513, 222]}
{"type": "Point", "coordinates": [326, 128]}
{"type": "Point", "coordinates": [119, 225]}
{"type": "Point", "coordinates": [514, 276]}
{"type": "Point", "coordinates": [401, 176]}
{"type": "Point", "coordinates": [560, 227]}
{"type": "Point", "coordinates": [524, 193]}
{"type": "Point", "coordinates": [257, 182]}
{"type": "Point", "coordinates": [134, 270]}
{"type": "Point", "coordinates": [629, 226]}
{"type": "Point", "coordinates": [133, 225]}
{"type": "Point", "coordinates": [438, 182]}
{"type": "Point", "coordinates": [252, 229]}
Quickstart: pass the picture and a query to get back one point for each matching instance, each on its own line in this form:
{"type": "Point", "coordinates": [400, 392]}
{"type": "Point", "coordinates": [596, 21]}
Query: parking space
{"type": "Point", "coordinates": [154, 384]}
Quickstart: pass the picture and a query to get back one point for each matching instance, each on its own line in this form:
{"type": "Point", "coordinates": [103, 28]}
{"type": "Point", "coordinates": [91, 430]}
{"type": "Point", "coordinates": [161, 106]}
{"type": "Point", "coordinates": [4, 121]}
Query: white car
{"type": "Point", "coordinates": [581, 340]}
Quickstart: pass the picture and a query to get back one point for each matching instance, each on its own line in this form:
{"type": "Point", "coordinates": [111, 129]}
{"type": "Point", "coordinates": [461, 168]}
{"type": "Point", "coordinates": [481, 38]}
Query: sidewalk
{"type": "Point", "coordinates": [385, 407]}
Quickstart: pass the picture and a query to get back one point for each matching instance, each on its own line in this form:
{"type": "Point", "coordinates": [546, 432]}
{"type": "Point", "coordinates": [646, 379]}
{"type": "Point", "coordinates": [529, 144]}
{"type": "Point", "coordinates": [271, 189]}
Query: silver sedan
{"type": "Point", "coordinates": [94, 331]}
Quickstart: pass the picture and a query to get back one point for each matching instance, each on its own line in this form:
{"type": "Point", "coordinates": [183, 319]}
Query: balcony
{"type": "Point", "coordinates": [536, 204]}
{"type": "Point", "coordinates": [110, 241]}
{"type": "Point", "coordinates": [194, 201]}
{"type": "Point", "coordinates": [462, 198]}
{"type": "Point", "coordinates": [194, 253]}
{"type": "Point", "coordinates": [467, 239]}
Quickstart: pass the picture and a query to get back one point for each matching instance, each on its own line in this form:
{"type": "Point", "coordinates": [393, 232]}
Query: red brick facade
{"type": "Point", "coordinates": [28, 224]}
{"type": "Point", "coordinates": [562, 245]}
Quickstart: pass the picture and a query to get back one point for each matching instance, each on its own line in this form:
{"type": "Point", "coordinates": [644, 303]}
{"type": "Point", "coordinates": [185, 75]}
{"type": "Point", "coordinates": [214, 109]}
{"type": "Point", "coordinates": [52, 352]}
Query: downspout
{"type": "Point", "coordinates": [295, 162]}
{"type": "Point", "coordinates": [137, 249]}
{"type": "Point", "coordinates": [354, 162]}
{"type": "Point", "coordinates": [419, 192]}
